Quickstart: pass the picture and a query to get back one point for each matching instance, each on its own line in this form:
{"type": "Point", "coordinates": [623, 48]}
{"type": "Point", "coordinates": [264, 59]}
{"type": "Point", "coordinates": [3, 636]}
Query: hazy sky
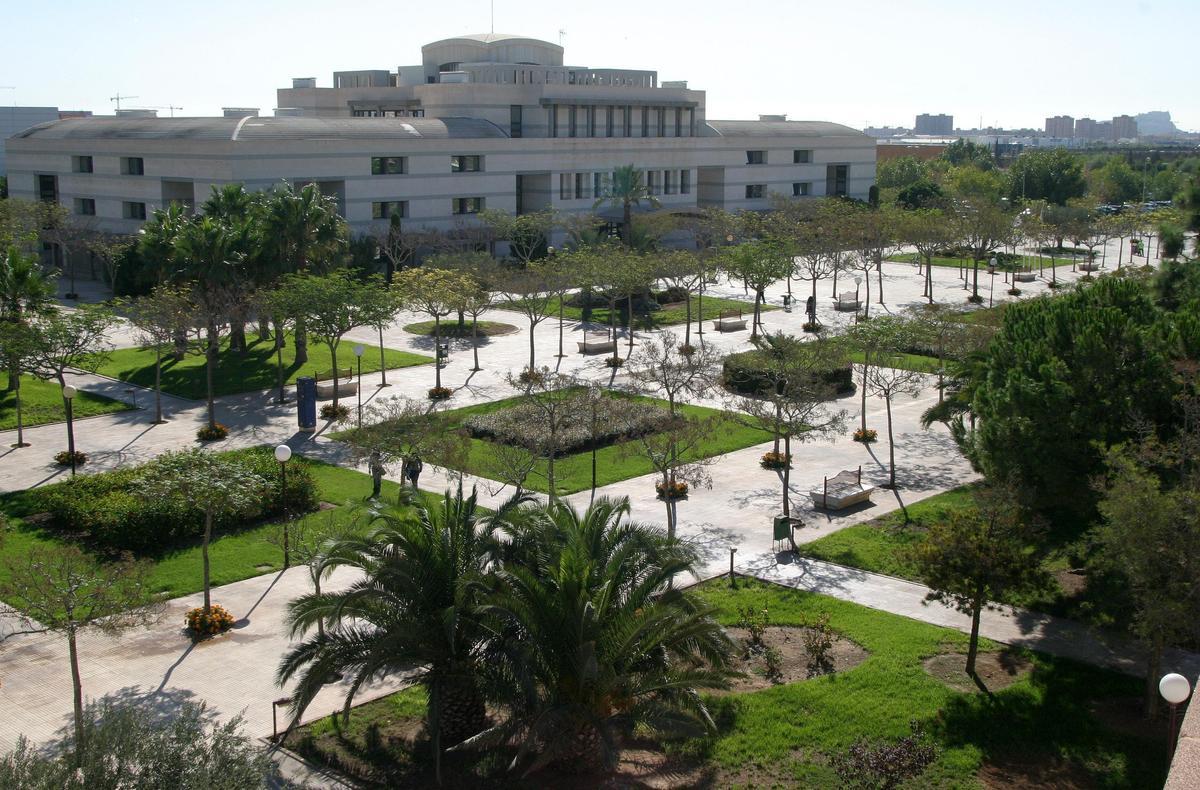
{"type": "Point", "coordinates": [1010, 63]}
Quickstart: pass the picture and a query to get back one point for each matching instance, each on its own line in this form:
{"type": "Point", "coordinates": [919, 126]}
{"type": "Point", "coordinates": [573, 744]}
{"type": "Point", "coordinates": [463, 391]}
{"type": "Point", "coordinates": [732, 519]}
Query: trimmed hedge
{"type": "Point", "coordinates": [746, 373]}
{"type": "Point", "coordinates": [616, 419]}
{"type": "Point", "coordinates": [106, 509]}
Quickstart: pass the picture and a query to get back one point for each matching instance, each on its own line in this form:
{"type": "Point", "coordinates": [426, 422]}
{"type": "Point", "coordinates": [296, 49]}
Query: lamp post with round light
{"type": "Point", "coordinates": [992, 272]}
{"type": "Point", "coordinates": [857, 283]}
{"type": "Point", "coordinates": [358, 352]}
{"type": "Point", "coordinates": [283, 454]}
{"type": "Point", "coordinates": [1175, 689]}
{"type": "Point", "coordinates": [68, 393]}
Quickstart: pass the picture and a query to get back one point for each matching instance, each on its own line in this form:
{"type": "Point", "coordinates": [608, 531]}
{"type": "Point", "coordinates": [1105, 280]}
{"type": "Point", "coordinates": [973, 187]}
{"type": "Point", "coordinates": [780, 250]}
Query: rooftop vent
{"type": "Point", "coordinates": [304, 82]}
{"type": "Point", "coordinates": [677, 84]}
{"type": "Point", "coordinates": [762, 117]}
{"type": "Point", "coordinates": [137, 113]}
{"type": "Point", "coordinates": [239, 112]}
{"type": "Point", "coordinates": [288, 112]}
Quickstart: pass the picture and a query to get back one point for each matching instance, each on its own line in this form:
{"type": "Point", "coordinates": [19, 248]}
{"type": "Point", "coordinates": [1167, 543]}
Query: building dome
{"type": "Point", "coordinates": [489, 48]}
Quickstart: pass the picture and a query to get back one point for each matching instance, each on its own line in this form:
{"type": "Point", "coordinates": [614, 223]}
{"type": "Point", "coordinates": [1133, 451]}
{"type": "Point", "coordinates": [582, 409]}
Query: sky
{"type": "Point", "coordinates": [1009, 63]}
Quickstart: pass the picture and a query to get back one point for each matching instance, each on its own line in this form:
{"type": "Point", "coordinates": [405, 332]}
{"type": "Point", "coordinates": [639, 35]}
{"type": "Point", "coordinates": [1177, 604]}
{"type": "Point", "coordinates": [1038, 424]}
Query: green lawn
{"type": "Point", "coordinates": [243, 372]}
{"type": "Point", "coordinates": [882, 544]}
{"type": "Point", "coordinates": [41, 403]}
{"type": "Point", "coordinates": [1028, 261]}
{"type": "Point", "coordinates": [917, 362]}
{"type": "Point", "coordinates": [669, 315]}
{"type": "Point", "coordinates": [613, 463]}
{"type": "Point", "coordinates": [785, 736]}
{"type": "Point", "coordinates": [452, 329]}
{"type": "Point", "coordinates": [235, 555]}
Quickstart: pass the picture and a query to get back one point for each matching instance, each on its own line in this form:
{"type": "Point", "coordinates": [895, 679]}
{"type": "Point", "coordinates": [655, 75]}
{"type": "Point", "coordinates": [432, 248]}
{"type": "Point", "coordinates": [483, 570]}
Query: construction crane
{"type": "Point", "coordinates": [170, 107]}
{"type": "Point", "coordinates": [118, 98]}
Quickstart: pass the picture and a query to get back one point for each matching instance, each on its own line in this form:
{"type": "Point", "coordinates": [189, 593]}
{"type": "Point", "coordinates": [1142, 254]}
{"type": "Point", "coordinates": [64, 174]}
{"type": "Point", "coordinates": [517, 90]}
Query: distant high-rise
{"type": "Point", "coordinates": [1124, 127]}
{"type": "Point", "coordinates": [1085, 129]}
{"type": "Point", "coordinates": [1060, 126]}
{"type": "Point", "coordinates": [934, 124]}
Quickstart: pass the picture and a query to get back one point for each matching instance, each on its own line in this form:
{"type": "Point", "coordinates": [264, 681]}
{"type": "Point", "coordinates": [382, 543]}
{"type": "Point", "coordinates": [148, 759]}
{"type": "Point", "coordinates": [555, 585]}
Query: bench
{"type": "Point", "coordinates": [597, 343]}
{"type": "Point", "coordinates": [1024, 277]}
{"type": "Point", "coordinates": [843, 490]}
{"type": "Point", "coordinates": [847, 302]}
{"type": "Point", "coordinates": [346, 385]}
{"type": "Point", "coordinates": [729, 321]}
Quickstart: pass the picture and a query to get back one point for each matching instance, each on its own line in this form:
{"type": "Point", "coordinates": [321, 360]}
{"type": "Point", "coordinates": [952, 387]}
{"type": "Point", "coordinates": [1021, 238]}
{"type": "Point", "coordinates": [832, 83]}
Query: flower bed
{"type": "Point", "coordinates": [440, 393]}
{"type": "Point", "coordinates": [775, 461]}
{"type": "Point", "coordinates": [866, 435]}
{"type": "Point", "coordinates": [202, 626]}
{"type": "Point", "coordinates": [674, 490]}
{"type": "Point", "coordinates": [615, 419]}
{"type": "Point", "coordinates": [334, 413]}
{"type": "Point", "coordinates": [64, 458]}
{"type": "Point", "coordinates": [747, 373]}
{"type": "Point", "coordinates": [212, 433]}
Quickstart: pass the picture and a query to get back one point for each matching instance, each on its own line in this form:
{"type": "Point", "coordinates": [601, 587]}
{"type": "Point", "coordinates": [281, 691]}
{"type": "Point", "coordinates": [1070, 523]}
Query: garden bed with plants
{"type": "Point", "coordinates": [746, 373]}
{"type": "Point", "coordinates": [454, 329]}
{"type": "Point", "coordinates": [243, 371]}
{"type": "Point", "coordinates": [881, 712]}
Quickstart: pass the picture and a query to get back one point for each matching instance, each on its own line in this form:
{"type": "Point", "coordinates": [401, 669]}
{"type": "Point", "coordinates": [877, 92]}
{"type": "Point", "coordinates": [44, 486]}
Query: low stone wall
{"type": "Point", "coordinates": [1185, 768]}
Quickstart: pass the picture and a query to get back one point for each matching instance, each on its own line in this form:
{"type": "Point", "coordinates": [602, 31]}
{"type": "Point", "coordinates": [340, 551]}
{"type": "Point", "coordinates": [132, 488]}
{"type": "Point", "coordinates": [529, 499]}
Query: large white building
{"type": "Point", "coordinates": [489, 121]}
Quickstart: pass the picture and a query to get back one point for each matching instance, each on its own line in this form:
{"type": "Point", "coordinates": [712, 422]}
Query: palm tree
{"type": "Point", "coordinates": [588, 638]}
{"type": "Point", "coordinates": [24, 290]}
{"type": "Point", "coordinates": [302, 232]}
{"type": "Point", "coordinates": [414, 609]}
{"type": "Point", "coordinates": [626, 189]}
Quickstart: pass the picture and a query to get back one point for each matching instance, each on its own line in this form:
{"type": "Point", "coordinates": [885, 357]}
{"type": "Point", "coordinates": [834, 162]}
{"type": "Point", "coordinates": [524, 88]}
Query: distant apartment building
{"type": "Point", "coordinates": [485, 121]}
{"type": "Point", "coordinates": [1124, 127]}
{"type": "Point", "coordinates": [1061, 127]}
{"type": "Point", "coordinates": [1085, 129]}
{"type": "Point", "coordinates": [934, 124]}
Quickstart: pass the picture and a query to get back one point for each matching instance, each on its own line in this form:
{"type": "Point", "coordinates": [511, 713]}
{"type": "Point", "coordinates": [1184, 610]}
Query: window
{"type": "Point", "coordinates": [755, 191]}
{"type": "Point", "coordinates": [678, 121]}
{"type": "Point", "coordinates": [591, 120]}
{"type": "Point", "coordinates": [133, 210]}
{"type": "Point", "coordinates": [652, 182]}
{"type": "Point", "coordinates": [389, 165]}
{"type": "Point", "coordinates": [685, 182]}
{"type": "Point", "coordinates": [471, 205]}
{"type": "Point", "coordinates": [48, 189]}
{"type": "Point", "coordinates": [801, 189]}
{"type": "Point", "coordinates": [668, 182]}
{"type": "Point", "coordinates": [836, 178]}
{"type": "Point", "coordinates": [662, 121]}
{"type": "Point", "coordinates": [579, 186]}
{"type": "Point", "coordinates": [385, 209]}
{"type": "Point", "coordinates": [133, 166]}
{"type": "Point", "coordinates": [627, 120]}
{"type": "Point", "coordinates": [554, 120]}
{"type": "Point", "coordinates": [466, 164]}
{"type": "Point", "coordinates": [514, 120]}
{"type": "Point", "coordinates": [564, 186]}
{"type": "Point", "coordinates": [608, 121]}
{"type": "Point", "coordinates": [597, 185]}
{"type": "Point", "coordinates": [645, 122]}
{"type": "Point", "coordinates": [81, 164]}
{"type": "Point", "coordinates": [573, 121]}
{"type": "Point", "coordinates": [801, 156]}
{"type": "Point", "coordinates": [756, 157]}
{"type": "Point", "coordinates": [85, 207]}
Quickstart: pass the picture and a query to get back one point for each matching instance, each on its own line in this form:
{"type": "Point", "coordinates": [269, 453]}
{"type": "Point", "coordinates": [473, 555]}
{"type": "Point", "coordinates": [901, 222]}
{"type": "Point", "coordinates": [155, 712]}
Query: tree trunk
{"type": "Point", "coordinates": [208, 519]}
{"type": "Point", "coordinates": [863, 394]}
{"type": "Point", "coordinates": [279, 371]}
{"type": "Point", "coordinates": [550, 481]}
{"type": "Point", "coordinates": [437, 351]}
{"type": "Point", "coordinates": [382, 360]}
{"type": "Point", "coordinates": [158, 418]}
{"type": "Point", "coordinates": [973, 645]}
{"type": "Point", "coordinates": [879, 272]}
{"type": "Point", "coordinates": [316, 577]}
{"type": "Point", "coordinates": [612, 329]}
{"type": "Point", "coordinates": [76, 693]}
{"type": "Point", "coordinates": [560, 327]}
{"type": "Point", "coordinates": [532, 360]}
{"type": "Point", "coordinates": [264, 328]}
{"type": "Point", "coordinates": [1153, 671]}
{"type": "Point", "coordinates": [687, 322]}
{"type": "Point", "coordinates": [629, 306]}
{"type": "Point", "coordinates": [336, 373]}
{"type": "Point", "coordinates": [700, 313]}
{"type": "Point", "coordinates": [667, 499]}
{"type": "Point", "coordinates": [210, 365]}
{"type": "Point", "coordinates": [754, 316]}
{"type": "Point", "coordinates": [181, 342]}
{"type": "Point", "coordinates": [475, 341]}
{"type": "Point", "coordinates": [867, 301]}
{"type": "Point", "coordinates": [975, 280]}
{"type": "Point", "coordinates": [887, 402]}
{"type": "Point", "coordinates": [237, 335]}
{"type": "Point", "coordinates": [929, 277]}
{"type": "Point", "coordinates": [301, 341]}
{"type": "Point", "coordinates": [16, 388]}
{"type": "Point", "coordinates": [787, 475]}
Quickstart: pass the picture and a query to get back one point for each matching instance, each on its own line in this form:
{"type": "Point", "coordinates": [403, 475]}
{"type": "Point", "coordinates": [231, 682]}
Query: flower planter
{"type": "Point", "coordinates": [201, 626]}
{"type": "Point", "coordinates": [676, 490]}
{"type": "Point", "coordinates": [866, 436]}
{"type": "Point", "coordinates": [775, 461]}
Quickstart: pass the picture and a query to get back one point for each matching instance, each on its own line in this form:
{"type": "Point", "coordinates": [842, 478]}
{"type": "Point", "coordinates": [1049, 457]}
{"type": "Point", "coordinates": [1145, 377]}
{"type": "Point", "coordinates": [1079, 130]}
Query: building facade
{"type": "Point", "coordinates": [15, 119]}
{"type": "Point", "coordinates": [1085, 129]}
{"type": "Point", "coordinates": [1124, 127]}
{"type": "Point", "coordinates": [936, 125]}
{"type": "Point", "coordinates": [485, 122]}
{"type": "Point", "coordinates": [1061, 127]}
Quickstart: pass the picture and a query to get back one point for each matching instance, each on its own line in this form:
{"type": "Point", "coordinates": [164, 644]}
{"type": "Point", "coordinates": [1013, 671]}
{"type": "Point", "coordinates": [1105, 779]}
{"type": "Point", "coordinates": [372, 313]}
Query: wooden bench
{"type": "Point", "coordinates": [346, 385]}
{"type": "Point", "coordinates": [843, 490]}
{"type": "Point", "coordinates": [597, 343]}
{"type": "Point", "coordinates": [729, 321]}
{"type": "Point", "coordinates": [1024, 277]}
{"type": "Point", "coordinates": [847, 302]}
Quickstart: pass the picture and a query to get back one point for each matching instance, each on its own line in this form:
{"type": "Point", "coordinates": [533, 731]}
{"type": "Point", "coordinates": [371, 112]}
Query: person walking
{"type": "Point", "coordinates": [414, 469]}
{"type": "Point", "coordinates": [375, 465]}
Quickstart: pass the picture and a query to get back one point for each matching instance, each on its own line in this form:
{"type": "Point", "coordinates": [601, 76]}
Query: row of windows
{"type": "Point", "coordinates": [580, 186]}
{"type": "Point", "coordinates": [398, 165]}
{"type": "Point", "coordinates": [800, 156]}
{"type": "Point", "coordinates": [590, 120]}
{"type": "Point", "coordinates": [387, 113]}
{"type": "Point", "coordinates": [759, 191]}
{"type": "Point", "coordinates": [130, 165]}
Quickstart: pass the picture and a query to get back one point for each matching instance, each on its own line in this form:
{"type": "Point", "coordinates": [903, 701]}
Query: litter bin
{"type": "Point", "coordinates": [306, 403]}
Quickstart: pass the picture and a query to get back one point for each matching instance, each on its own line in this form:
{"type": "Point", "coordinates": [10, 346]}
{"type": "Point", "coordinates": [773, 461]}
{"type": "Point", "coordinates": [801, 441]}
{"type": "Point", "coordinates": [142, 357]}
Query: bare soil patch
{"type": "Point", "coordinates": [997, 669]}
{"type": "Point", "coordinates": [1126, 716]}
{"type": "Point", "coordinates": [1015, 772]}
{"type": "Point", "coordinates": [1073, 582]}
{"type": "Point", "coordinates": [795, 661]}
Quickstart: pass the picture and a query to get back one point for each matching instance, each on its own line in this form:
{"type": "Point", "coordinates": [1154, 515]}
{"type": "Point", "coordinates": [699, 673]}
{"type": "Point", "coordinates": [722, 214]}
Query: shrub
{"type": "Point", "coordinates": [104, 508]}
{"type": "Point", "coordinates": [212, 433]}
{"type": "Point", "coordinates": [672, 295]}
{"type": "Point", "coordinates": [866, 435]}
{"type": "Point", "coordinates": [1014, 291]}
{"type": "Point", "coordinates": [776, 461]}
{"type": "Point", "coordinates": [773, 663]}
{"type": "Point", "coordinates": [812, 326]}
{"type": "Point", "coordinates": [687, 349]}
{"type": "Point", "coordinates": [530, 376]}
{"type": "Point", "coordinates": [883, 766]}
{"type": "Point", "coordinates": [746, 373]}
{"type": "Point", "coordinates": [201, 626]}
{"type": "Point", "coordinates": [755, 621]}
{"type": "Point", "coordinates": [818, 641]}
{"type": "Point", "coordinates": [63, 458]}
{"type": "Point", "coordinates": [334, 413]}
{"type": "Point", "coordinates": [440, 393]}
{"type": "Point", "coordinates": [616, 419]}
{"type": "Point", "coordinates": [975, 299]}
{"type": "Point", "coordinates": [613, 362]}
{"type": "Point", "coordinates": [673, 490]}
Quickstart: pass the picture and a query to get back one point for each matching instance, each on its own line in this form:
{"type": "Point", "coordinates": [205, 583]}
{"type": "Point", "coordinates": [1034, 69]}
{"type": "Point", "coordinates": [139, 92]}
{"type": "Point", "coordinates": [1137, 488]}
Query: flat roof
{"type": "Point", "coordinates": [781, 128]}
{"type": "Point", "coordinates": [257, 129]}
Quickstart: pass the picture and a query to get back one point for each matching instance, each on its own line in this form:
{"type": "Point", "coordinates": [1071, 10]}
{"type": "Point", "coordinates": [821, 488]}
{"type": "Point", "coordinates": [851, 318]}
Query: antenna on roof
{"type": "Point", "coordinates": [561, 35]}
{"type": "Point", "coordinates": [493, 17]}
{"type": "Point", "coordinates": [118, 98]}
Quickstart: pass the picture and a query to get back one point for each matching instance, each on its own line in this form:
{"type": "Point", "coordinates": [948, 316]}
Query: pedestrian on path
{"type": "Point", "coordinates": [414, 469]}
{"type": "Point", "coordinates": [375, 464]}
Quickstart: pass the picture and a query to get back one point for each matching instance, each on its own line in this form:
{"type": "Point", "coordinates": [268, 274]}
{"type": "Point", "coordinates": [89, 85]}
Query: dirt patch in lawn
{"type": "Point", "coordinates": [997, 669]}
{"type": "Point", "coordinates": [1126, 715]}
{"type": "Point", "coordinates": [1072, 582]}
{"type": "Point", "coordinates": [795, 661]}
{"type": "Point", "coordinates": [1023, 771]}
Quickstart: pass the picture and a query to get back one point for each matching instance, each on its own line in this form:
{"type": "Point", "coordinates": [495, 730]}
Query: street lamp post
{"type": "Point", "coordinates": [358, 352]}
{"type": "Point", "coordinates": [992, 272]}
{"type": "Point", "coordinates": [68, 393]}
{"type": "Point", "coordinates": [857, 282]}
{"type": "Point", "coordinates": [1175, 689]}
{"type": "Point", "coordinates": [283, 454]}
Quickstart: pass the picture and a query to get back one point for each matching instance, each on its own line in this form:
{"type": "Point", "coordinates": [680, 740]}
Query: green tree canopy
{"type": "Point", "coordinates": [1054, 175]}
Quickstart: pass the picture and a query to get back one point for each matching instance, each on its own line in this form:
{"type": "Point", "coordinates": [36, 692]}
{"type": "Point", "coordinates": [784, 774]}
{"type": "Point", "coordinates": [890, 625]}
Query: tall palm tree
{"type": "Point", "coordinates": [588, 640]}
{"type": "Point", "coordinates": [414, 610]}
{"type": "Point", "coordinates": [626, 189]}
{"type": "Point", "coordinates": [24, 291]}
{"type": "Point", "coordinates": [302, 232]}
